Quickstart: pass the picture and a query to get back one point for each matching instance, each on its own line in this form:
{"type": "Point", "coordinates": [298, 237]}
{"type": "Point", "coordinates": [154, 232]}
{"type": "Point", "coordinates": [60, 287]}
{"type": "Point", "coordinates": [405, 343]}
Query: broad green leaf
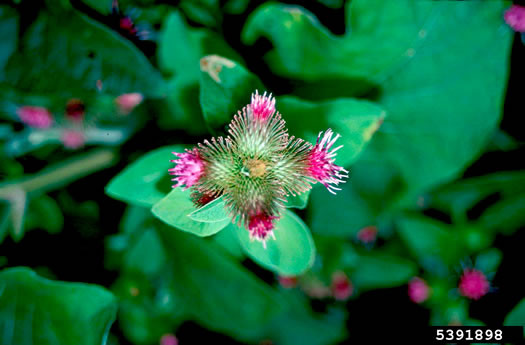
{"type": "Point", "coordinates": [228, 240]}
{"type": "Point", "coordinates": [175, 208]}
{"type": "Point", "coordinates": [218, 291]}
{"type": "Point", "coordinates": [355, 120]}
{"type": "Point", "coordinates": [460, 196]}
{"type": "Point", "coordinates": [291, 253]}
{"type": "Point", "coordinates": [145, 181]}
{"type": "Point", "coordinates": [35, 310]}
{"type": "Point", "coordinates": [516, 317]}
{"type": "Point", "coordinates": [434, 244]}
{"type": "Point", "coordinates": [507, 216]}
{"type": "Point", "coordinates": [423, 138]}
{"type": "Point", "coordinates": [489, 260]}
{"type": "Point", "coordinates": [8, 35]}
{"type": "Point", "coordinates": [298, 201]}
{"type": "Point", "coordinates": [60, 60]}
{"type": "Point", "coordinates": [343, 214]}
{"type": "Point", "coordinates": [146, 254]}
{"type": "Point", "coordinates": [179, 53]}
{"type": "Point", "coordinates": [225, 88]}
{"type": "Point", "coordinates": [211, 212]}
{"type": "Point", "coordinates": [374, 271]}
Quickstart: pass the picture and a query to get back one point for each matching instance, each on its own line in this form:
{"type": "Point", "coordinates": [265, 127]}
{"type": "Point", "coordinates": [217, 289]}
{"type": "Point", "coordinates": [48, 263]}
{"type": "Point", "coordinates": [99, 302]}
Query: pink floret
{"type": "Point", "coordinates": [189, 168]}
{"type": "Point", "coordinates": [260, 226]}
{"type": "Point", "coordinates": [473, 284]}
{"type": "Point", "coordinates": [321, 162]}
{"type": "Point", "coordinates": [341, 286]}
{"type": "Point", "coordinates": [262, 106]}
{"type": "Point", "coordinates": [515, 18]}
{"type": "Point", "coordinates": [418, 290]}
{"type": "Point", "coordinates": [36, 117]}
{"type": "Point", "coordinates": [73, 139]}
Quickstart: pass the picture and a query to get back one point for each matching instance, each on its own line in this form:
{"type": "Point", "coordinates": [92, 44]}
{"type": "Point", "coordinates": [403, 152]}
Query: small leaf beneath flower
{"type": "Point", "coordinates": [138, 184]}
{"type": "Point", "coordinates": [291, 253]}
{"type": "Point", "coordinates": [299, 201]}
{"type": "Point", "coordinates": [175, 208]}
{"type": "Point", "coordinates": [211, 212]}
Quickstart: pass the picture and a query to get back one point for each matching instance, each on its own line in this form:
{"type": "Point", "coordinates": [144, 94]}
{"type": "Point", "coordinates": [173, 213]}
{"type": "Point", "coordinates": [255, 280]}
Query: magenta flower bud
{"type": "Point", "coordinates": [321, 162]}
{"type": "Point", "coordinates": [73, 139]}
{"type": "Point", "coordinates": [36, 117]}
{"type": "Point", "coordinates": [367, 234]}
{"type": "Point", "coordinates": [168, 339]}
{"type": "Point", "coordinates": [515, 18]}
{"type": "Point", "coordinates": [262, 106]}
{"type": "Point", "coordinates": [341, 286]}
{"type": "Point", "coordinates": [473, 284]}
{"type": "Point", "coordinates": [189, 168]}
{"type": "Point", "coordinates": [75, 110]}
{"type": "Point", "coordinates": [257, 167]}
{"type": "Point", "coordinates": [128, 101]}
{"type": "Point", "coordinates": [418, 290]}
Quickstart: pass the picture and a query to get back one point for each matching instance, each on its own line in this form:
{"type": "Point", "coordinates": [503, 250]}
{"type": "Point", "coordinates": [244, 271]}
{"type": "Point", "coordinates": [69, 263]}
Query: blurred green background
{"type": "Point", "coordinates": [96, 94]}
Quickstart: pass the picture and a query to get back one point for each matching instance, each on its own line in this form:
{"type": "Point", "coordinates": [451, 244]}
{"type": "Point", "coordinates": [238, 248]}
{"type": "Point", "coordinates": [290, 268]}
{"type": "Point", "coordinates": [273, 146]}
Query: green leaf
{"type": "Point", "coordinates": [298, 201]}
{"type": "Point", "coordinates": [60, 60]}
{"type": "Point", "coordinates": [44, 213]}
{"type": "Point", "coordinates": [423, 138]}
{"type": "Point", "coordinates": [516, 317]}
{"type": "Point", "coordinates": [175, 209]}
{"type": "Point", "coordinates": [8, 35]}
{"type": "Point", "coordinates": [211, 212]}
{"type": "Point", "coordinates": [228, 240]}
{"type": "Point", "coordinates": [179, 53]}
{"type": "Point", "coordinates": [145, 181]}
{"type": "Point", "coordinates": [146, 254]}
{"type": "Point", "coordinates": [35, 310]}
{"type": "Point", "coordinates": [356, 121]}
{"type": "Point", "coordinates": [218, 291]}
{"type": "Point", "coordinates": [433, 243]}
{"type": "Point", "coordinates": [291, 253]}
{"type": "Point", "coordinates": [225, 88]}
{"type": "Point", "coordinates": [206, 12]}
{"type": "Point", "coordinates": [374, 271]}
{"type": "Point", "coordinates": [506, 216]}
{"type": "Point", "coordinates": [489, 260]}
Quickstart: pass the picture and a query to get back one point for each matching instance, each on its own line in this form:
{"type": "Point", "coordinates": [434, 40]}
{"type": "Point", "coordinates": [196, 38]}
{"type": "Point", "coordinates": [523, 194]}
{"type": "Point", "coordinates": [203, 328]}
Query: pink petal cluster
{"type": "Point", "coordinates": [288, 282]}
{"type": "Point", "coordinates": [260, 226]}
{"type": "Point", "coordinates": [36, 117]}
{"type": "Point", "coordinates": [262, 106]}
{"type": "Point", "coordinates": [128, 101]}
{"type": "Point", "coordinates": [515, 18]}
{"type": "Point", "coordinates": [321, 162]}
{"type": "Point", "coordinates": [341, 286]}
{"type": "Point", "coordinates": [189, 168]}
{"type": "Point", "coordinates": [418, 290]}
{"type": "Point", "coordinates": [473, 284]}
{"type": "Point", "coordinates": [73, 139]}
{"type": "Point", "coordinates": [367, 234]}
{"type": "Point", "coordinates": [168, 339]}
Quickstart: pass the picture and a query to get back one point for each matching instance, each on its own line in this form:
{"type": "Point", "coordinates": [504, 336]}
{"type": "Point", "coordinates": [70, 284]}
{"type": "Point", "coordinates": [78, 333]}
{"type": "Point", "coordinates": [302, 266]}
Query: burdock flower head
{"type": "Point", "coordinates": [257, 166]}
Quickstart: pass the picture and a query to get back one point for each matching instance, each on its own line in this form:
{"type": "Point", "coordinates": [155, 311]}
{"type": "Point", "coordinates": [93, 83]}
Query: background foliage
{"type": "Point", "coordinates": [97, 248]}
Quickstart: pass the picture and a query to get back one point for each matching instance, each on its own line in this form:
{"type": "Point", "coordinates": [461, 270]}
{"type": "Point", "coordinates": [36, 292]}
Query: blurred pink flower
{"type": "Point", "coordinates": [36, 117]}
{"type": "Point", "coordinates": [128, 101]}
{"type": "Point", "coordinates": [473, 284]}
{"type": "Point", "coordinates": [75, 109]}
{"type": "Point", "coordinates": [73, 139]}
{"type": "Point", "coordinates": [169, 339]}
{"type": "Point", "coordinates": [515, 18]}
{"type": "Point", "coordinates": [367, 234]}
{"type": "Point", "coordinates": [321, 162]}
{"type": "Point", "coordinates": [418, 290]}
{"type": "Point", "coordinates": [341, 286]}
